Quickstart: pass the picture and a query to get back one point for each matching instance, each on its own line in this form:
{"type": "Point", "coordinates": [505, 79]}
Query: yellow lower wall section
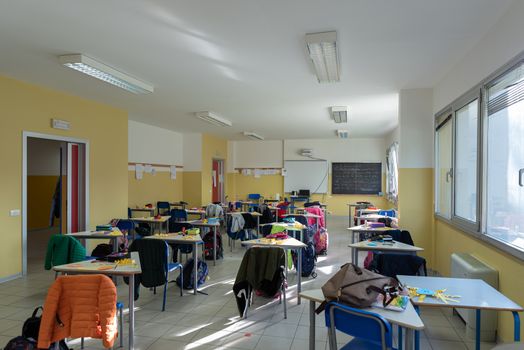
{"type": "Point", "coordinates": [192, 187]}
{"type": "Point", "coordinates": [154, 188]}
{"type": "Point", "coordinates": [26, 107]}
{"type": "Point", "coordinates": [40, 191]}
{"type": "Point", "coordinates": [449, 240]}
{"type": "Point", "coordinates": [415, 205]}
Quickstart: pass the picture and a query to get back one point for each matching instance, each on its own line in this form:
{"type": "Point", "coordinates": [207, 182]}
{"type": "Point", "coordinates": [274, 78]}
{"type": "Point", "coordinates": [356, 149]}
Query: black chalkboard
{"type": "Point", "coordinates": [356, 178]}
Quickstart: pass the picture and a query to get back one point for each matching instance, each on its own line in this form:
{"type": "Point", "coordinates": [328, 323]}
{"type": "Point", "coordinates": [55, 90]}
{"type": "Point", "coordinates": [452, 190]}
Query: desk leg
{"type": "Point", "coordinates": [417, 333]}
{"type": "Point", "coordinates": [195, 268]}
{"type": "Point", "coordinates": [354, 256]}
{"type": "Point", "coordinates": [258, 225]}
{"type": "Point", "coordinates": [312, 325]}
{"type": "Point", "coordinates": [400, 340]}
{"type": "Point", "coordinates": [214, 245]}
{"type": "Point", "coordinates": [409, 339]}
{"type": "Point", "coordinates": [516, 323]}
{"type": "Point", "coordinates": [299, 272]}
{"type": "Point", "coordinates": [477, 332]}
{"type": "Point", "coordinates": [131, 312]}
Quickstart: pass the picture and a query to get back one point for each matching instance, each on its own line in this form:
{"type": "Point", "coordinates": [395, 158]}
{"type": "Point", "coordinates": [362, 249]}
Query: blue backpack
{"type": "Point", "coordinates": [309, 260]}
{"type": "Point", "coordinates": [188, 275]}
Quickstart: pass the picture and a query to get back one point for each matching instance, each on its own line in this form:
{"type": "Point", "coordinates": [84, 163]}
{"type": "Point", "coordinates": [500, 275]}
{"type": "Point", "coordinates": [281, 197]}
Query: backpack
{"type": "Point", "coordinates": [20, 343]}
{"type": "Point", "coordinates": [31, 326]}
{"type": "Point", "coordinates": [208, 246]}
{"type": "Point", "coordinates": [358, 287]}
{"type": "Point", "coordinates": [102, 250]}
{"type": "Point", "coordinates": [189, 274]}
{"type": "Point", "coordinates": [320, 239]}
{"type": "Point", "coordinates": [309, 260]}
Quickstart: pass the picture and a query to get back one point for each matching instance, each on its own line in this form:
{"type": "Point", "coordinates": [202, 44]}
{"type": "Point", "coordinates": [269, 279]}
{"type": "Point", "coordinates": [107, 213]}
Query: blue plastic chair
{"type": "Point", "coordinates": [371, 331]}
{"type": "Point", "coordinates": [390, 213]}
{"type": "Point", "coordinates": [255, 197]}
{"type": "Point", "coordinates": [163, 207]}
{"type": "Point", "coordinates": [178, 215]}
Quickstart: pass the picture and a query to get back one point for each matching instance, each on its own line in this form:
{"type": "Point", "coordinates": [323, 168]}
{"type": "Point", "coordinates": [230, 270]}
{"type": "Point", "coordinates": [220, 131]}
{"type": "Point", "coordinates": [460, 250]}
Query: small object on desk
{"type": "Point", "coordinates": [398, 303]}
{"type": "Point", "coordinates": [422, 293]}
{"type": "Point", "coordinates": [372, 244]}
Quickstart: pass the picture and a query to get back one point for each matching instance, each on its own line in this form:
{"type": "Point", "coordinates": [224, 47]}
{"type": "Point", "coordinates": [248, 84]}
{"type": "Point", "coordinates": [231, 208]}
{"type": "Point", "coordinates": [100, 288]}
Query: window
{"type": "Point", "coordinates": [479, 160]}
{"type": "Point", "coordinates": [392, 173]}
{"type": "Point", "coordinates": [443, 171]}
{"type": "Point", "coordinates": [505, 158]}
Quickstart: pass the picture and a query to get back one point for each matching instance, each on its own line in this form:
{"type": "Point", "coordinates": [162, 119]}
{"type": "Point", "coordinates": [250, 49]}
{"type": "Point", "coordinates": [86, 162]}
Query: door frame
{"type": "Point", "coordinates": [222, 185]}
{"type": "Point", "coordinates": [25, 136]}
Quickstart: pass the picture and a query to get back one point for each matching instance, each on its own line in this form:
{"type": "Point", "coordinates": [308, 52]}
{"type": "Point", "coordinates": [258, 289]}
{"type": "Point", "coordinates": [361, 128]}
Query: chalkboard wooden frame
{"type": "Point", "coordinates": [356, 178]}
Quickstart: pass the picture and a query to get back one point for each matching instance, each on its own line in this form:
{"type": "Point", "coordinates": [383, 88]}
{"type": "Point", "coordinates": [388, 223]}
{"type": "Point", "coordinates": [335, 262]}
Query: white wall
{"type": "Point", "coordinates": [393, 136]}
{"type": "Point", "coordinates": [43, 157]}
{"type": "Point", "coordinates": [504, 41]}
{"type": "Point", "coordinates": [257, 154]}
{"type": "Point", "coordinates": [416, 128]}
{"type": "Point", "coordinates": [150, 144]}
{"type": "Point", "coordinates": [192, 152]}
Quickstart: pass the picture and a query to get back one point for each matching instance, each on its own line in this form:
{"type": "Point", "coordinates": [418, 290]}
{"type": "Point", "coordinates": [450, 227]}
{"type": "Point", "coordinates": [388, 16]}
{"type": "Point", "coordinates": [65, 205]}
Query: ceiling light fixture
{"type": "Point", "coordinates": [342, 134]}
{"type": "Point", "coordinates": [105, 73]}
{"type": "Point", "coordinates": [323, 53]}
{"type": "Point", "coordinates": [253, 136]}
{"type": "Point", "coordinates": [339, 114]}
{"type": "Point", "coordinates": [213, 118]}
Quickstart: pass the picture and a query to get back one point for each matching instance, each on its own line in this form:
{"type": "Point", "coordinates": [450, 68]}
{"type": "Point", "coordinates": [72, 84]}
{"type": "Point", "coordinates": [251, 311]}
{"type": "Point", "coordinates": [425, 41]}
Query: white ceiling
{"type": "Point", "coordinates": [245, 59]}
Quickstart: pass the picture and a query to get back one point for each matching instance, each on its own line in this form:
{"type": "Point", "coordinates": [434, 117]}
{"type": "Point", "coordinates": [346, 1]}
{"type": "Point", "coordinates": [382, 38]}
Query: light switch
{"type": "Point", "coordinates": [14, 212]}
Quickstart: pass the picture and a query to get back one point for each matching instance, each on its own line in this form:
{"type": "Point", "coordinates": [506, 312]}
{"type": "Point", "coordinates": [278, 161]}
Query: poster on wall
{"type": "Point", "coordinates": [139, 171]}
{"type": "Point", "coordinates": [173, 172]}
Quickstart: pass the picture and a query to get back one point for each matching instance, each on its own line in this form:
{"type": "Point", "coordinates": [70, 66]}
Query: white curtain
{"type": "Point", "coordinates": [392, 173]}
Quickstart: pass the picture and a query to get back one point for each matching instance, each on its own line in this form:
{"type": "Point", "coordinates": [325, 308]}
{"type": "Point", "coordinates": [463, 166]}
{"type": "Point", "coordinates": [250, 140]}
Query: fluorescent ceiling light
{"type": "Point", "coordinates": [339, 114]}
{"type": "Point", "coordinates": [323, 53]}
{"type": "Point", "coordinates": [342, 134]}
{"type": "Point", "coordinates": [253, 136]}
{"type": "Point", "coordinates": [213, 118]}
{"type": "Point", "coordinates": [105, 73]}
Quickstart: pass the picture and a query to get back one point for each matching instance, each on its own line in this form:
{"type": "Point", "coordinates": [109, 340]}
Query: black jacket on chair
{"type": "Point", "coordinates": [391, 265]}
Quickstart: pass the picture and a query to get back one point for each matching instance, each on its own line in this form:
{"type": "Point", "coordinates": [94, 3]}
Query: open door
{"type": "Point", "coordinates": [217, 175]}
{"type": "Point", "coordinates": [75, 187]}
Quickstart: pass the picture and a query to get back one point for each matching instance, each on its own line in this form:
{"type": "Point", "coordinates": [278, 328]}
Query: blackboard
{"type": "Point", "coordinates": [356, 178]}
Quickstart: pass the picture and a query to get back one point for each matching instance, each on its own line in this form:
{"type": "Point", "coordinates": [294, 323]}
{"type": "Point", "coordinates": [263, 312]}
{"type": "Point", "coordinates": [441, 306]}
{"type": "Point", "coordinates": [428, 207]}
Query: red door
{"type": "Point", "coordinates": [72, 192]}
{"type": "Point", "coordinates": [215, 171]}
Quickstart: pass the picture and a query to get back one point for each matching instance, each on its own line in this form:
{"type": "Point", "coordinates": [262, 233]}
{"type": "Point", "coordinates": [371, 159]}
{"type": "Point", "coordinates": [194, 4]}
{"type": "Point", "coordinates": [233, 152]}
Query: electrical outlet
{"type": "Point", "coordinates": [14, 212]}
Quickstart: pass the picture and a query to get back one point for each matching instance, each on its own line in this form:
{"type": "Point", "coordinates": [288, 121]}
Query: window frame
{"type": "Point", "coordinates": [479, 229]}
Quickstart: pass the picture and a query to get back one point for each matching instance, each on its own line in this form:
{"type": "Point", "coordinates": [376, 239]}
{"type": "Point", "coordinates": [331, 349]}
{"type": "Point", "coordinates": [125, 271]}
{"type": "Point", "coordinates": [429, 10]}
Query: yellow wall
{"type": "Point", "coordinates": [26, 107]}
{"type": "Point", "coordinates": [40, 191]}
{"type": "Point", "coordinates": [192, 185]}
{"type": "Point", "coordinates": [154, 188]}
{"type": "Point", "coordinates": [415, 205]}
{"type": "Point", "coordinates": [212, 148]}
{"type": "Point", "coordinates": [449, 240]}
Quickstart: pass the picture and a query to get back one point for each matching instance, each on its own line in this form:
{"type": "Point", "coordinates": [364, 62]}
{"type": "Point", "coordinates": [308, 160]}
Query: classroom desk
{"type": "Point", "coordinates": [357, 230]}
{"type": "Point", "coordinates": [111, 235]}
{"type": "Point", "coordinates": [286, 244]}
{"type": "Point", "coordinates": [214, 226]}
{"type": "Point", "coordinates": [323, 207]}
{"type": "Point", "coordinates": [164, 220]}
{"type": "Point", "coordinates": [369, 217]}
{"type": "Point", "coordinates": [151, 210]}
{"type": "Point", "coordinates": [351, 211]}
{"type": "Point", "coordinates": [111, 269]}
{"type": "Point", "coordinates": [474, 294]}
{"type": "Point", "coordinates": [253, 213]}
{"type": "Point", "coordinates": [396, 247]}
{"type": "Point", "coordinates": [199, 212]}
{"type": "Point", "coordinates": [289, 227]}
{"type": "Point", "coordinates": [308, 216]}
{"type": "Point", "coordinates": [177, 238]}
{"type": "Point", "coordinates": [408, 319]}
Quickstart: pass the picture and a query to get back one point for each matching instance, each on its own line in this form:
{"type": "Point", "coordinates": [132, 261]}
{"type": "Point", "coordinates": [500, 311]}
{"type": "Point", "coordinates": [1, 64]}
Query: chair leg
{"type": "Point", "coordinates": [82, 343]}
{"type": "Point", "coordinates": [284, 296]}
{"type": "Point", "coordinates": [182, 280]}
{"type": "Point", "coordinates": [121, 326]}
{"type": "Point", "coordinates": [164, 299]}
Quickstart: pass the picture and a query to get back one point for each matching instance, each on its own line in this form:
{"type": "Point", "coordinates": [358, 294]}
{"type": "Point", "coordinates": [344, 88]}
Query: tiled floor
{"type": "Point", "coordinates": [211, 321]}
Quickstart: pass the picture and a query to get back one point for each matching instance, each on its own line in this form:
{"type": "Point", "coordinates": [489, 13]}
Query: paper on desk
{"type": "Point", "coordinates": [139, 171]}
{"type": "Point", "coordinates": [173, 172]}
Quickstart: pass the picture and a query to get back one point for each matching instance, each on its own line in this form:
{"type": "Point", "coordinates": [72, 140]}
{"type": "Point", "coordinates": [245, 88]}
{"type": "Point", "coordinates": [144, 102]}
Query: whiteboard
{"type": "Point", "coordinates": [309, 175]}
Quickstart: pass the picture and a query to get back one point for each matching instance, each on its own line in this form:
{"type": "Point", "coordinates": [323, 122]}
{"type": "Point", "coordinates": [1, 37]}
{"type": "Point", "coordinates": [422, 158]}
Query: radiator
{"type": "Point", "coordinates": [467, 266]}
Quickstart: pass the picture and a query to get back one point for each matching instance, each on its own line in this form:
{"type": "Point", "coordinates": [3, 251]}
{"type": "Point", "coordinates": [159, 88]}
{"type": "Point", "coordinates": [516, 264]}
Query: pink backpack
{"type": "Point", "coordinates": [320, 239]}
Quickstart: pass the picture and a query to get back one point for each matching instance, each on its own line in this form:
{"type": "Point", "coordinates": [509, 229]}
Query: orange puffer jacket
{"type": "Point", "coordinates": [86, 307]}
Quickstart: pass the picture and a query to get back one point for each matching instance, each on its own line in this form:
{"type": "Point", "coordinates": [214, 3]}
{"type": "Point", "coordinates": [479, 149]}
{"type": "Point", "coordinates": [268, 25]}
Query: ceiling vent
{"type": "Point", "coordinates": [253, 136]}
{"type": "Point", "coordinates": [339, 114]}
{"type": "Point", "coordinates": [213, 118]}
{"type": "Point", "coordinates": [342, 134]}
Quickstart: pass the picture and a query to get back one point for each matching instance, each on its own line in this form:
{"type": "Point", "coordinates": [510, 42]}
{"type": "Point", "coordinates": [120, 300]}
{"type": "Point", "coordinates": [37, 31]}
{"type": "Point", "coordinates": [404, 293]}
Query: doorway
{"type": "Point", "coordinates": [217, 174]}
{"type": "Point", "coordinates": [54, 193]}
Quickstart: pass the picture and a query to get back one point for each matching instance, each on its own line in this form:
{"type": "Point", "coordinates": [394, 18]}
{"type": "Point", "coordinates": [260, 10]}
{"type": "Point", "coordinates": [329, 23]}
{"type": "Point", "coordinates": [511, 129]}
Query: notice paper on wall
{"type": "Point", "coordinates": [148, 168]}
{"type": "Point", "coordinates": [257, 172]}
{"type": "Point", "coordinates": [173, 172]}
{"type": "Point", "coordinates": [139, 171]}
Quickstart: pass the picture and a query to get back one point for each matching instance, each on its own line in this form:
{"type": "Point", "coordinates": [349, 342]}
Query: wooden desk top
{"type": "Point", "coordinates": [395, 247]}
{"type": "Point", "coordinates": [177, 238]}
{"type": "Point", "coordinates": [102, 267]}
{"type": "Point", "coordinates": [307, 215]}
{"type": "Point", "coordinates": [289, 243]}
{"type": "Point", "coordinates": [143, 209]}
{"type": "Point", "coordinates": [407, 318]}
{"type": "Point", "coordinates": [254, 213]}
{"type": "Point", "coordinates": [364, 228]}
{"type": "Point", "coordinates": [96, 234]}
{"type": "Point", "coordinates": [152, 219]}
{"type": "Point", "coordinates": [201, 223]}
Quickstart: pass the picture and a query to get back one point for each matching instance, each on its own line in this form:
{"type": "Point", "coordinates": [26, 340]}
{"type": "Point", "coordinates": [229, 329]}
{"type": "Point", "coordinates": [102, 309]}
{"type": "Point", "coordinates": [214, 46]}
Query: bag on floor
{"type": "Point", "coordinates": [102, 250]}
{"type": "Point", "coordinates": [320, 239]}
{"type": "Point", "coordinates": [358, 287]}
{"type": "Point", "coordinates": [20, 343]}
{"type": "Point", "coordinates": [189, 275]}
{"type": "Point", "coordinates": [309, 260]}
{"type": "Point", "coordinates": [208, 246]}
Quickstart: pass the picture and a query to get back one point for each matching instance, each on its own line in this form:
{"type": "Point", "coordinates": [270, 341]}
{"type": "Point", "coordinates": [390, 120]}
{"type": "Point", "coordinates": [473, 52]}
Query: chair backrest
{"type": "Point", "coordinates": [175, 226]}
{"type": "Point", "coordinates": [153, 255]}
{"type": "Point", "coordinates": [125, 225]}
{"type": "Point", "coordinates": [178, 215]}
{"type": "Point", "coordinates": [359, 324]}
{"type": "Point", "coordinates": [162, 207]}
{"type": "Point", "coordinates": [390, 213]}
{"type": "Point", "coordinates": [129, 213]}
{"type": "Point", "coordinates": [393, 264]}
